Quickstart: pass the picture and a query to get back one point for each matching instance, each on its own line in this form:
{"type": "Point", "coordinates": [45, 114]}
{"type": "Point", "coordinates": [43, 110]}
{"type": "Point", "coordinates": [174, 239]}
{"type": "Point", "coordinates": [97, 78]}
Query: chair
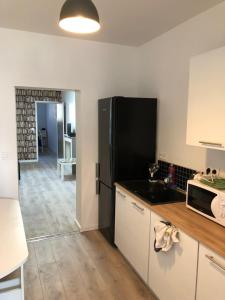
{"type": "Point", "coordinates": [43, 138]}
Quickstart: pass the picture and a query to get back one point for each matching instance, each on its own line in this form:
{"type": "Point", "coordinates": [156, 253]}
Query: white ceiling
{"type": "Point", "coordinates": [127, 22]}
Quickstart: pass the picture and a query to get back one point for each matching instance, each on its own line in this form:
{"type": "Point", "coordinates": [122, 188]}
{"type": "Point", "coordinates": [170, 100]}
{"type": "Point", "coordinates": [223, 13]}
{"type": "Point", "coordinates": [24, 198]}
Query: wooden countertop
{"type": "Point", "coordinates": [13, 246]}
{"type": "Point", "coordinates": [207, 232]}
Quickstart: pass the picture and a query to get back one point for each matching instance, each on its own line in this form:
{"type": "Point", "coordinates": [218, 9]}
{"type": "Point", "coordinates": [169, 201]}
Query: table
{"type": "Point", "coordinates": [61, 163]}
{"type": "Point", "coordinates": [13, 250]}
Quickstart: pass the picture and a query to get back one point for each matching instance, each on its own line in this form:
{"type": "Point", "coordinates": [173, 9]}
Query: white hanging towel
{"type": "Point", "coordinates": [165, 235]}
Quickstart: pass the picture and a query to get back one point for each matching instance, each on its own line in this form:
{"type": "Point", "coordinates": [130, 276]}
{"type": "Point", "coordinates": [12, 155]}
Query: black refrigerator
{"type": "Point", "coordinates": [127, 144]}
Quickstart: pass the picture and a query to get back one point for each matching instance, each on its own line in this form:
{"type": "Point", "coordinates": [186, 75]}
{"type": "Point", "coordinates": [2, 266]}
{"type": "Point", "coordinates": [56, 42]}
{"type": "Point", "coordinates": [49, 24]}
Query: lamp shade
{"type": "Point", "coordinates": [79, 16]}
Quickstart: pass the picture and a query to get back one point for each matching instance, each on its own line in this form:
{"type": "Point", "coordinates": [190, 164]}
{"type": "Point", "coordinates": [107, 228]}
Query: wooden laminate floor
{"type": "Point", "coordinates": [80, 267]}
{"type": "Point", "coordinates": [47, 202]}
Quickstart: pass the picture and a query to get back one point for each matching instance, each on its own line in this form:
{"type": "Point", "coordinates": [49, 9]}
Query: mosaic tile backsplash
{"type": "Point", "coordinates": [26, 119]}
{"type": "Point", "coordinates": [182, 174]}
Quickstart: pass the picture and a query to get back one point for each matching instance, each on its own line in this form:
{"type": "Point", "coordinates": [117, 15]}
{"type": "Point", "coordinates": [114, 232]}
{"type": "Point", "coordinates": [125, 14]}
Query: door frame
{"type": "Point", "coordinates": [78, 199]}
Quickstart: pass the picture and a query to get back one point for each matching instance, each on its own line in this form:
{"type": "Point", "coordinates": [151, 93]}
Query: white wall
{"type": "Point", "coordinates": [96, 69]}
{"type": "Point", "coordinates": [41, 115]}
{"type": "Point", "coordinates": [102, 70]}
{"type": "Point", "coordinates": [164, 71]}
{"type": "Point", "coordinates": [51, 124]}
{"type": "Point", "coordinates": [69, 100]}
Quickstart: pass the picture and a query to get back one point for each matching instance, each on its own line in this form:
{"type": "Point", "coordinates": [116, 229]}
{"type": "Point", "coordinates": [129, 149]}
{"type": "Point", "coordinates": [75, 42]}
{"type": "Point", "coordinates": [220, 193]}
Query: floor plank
{"type": "Point", "coordinates": [53, 288]}
{"type": "Point", "coordinates": [47, 202]}
{"type": "Point", "coordinates": [82, 266]}
{"type": "Point", "coordinates": [32, 282]}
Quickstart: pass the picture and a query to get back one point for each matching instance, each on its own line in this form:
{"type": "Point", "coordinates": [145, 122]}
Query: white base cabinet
{"type": "Point", "coordinates": [188, 271]}
{"type": "Point", "coordinates": [211, 275]}
{"type": "Point", "coordinates": [172, 274]}
{"type": "Point", "coordinates": [132, 232]}
{"type": "Point", "coordinates": [120, 221]}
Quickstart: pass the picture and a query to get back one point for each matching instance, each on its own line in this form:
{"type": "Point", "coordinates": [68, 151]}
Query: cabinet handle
{"type": "Point", "coordinates": [122, 195]}
{"type": "Point", "coordinates": [138, 207]}
{"type": "Point", "coordinates": [211, 144]}
{"type": "Point", "coordinates": [215, 262]}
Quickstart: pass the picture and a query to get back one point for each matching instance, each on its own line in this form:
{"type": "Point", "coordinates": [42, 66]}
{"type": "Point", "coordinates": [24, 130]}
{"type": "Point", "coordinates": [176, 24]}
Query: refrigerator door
{"type": "Point", "coordinates": [134, 137]}
{"type": "Point", "coordinates": [105, 141]}
{"type": "Point", "coordinates": [107, 212]}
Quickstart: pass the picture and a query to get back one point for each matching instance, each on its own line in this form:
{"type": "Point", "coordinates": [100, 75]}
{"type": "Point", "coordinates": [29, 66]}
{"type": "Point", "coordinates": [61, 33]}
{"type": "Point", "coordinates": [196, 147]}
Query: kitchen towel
{"type": "Point", "coordinates": [165, 235]}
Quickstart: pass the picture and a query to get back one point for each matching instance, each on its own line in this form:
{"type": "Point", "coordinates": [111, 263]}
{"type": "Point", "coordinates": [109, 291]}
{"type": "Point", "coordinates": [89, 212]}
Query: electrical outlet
{"type": "Point", "coordinates": [219, 172]}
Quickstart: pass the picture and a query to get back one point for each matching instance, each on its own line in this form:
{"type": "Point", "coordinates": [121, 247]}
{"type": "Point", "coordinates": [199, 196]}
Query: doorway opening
{"type": "Point", "coordinates": [46, 146]}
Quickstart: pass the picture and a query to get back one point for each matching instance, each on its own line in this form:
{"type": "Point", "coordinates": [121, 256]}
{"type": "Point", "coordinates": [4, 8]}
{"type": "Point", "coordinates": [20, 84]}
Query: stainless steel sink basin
{"type": "Point", "coordinates": [154, 192]}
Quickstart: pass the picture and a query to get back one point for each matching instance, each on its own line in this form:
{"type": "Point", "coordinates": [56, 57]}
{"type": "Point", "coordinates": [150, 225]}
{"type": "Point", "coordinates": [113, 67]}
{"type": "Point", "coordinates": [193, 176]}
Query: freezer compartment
{"type": "Point", "coordinates": [107, 212]}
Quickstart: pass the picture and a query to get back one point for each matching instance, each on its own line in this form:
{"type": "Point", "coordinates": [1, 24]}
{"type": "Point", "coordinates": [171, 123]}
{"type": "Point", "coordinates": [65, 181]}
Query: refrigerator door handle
{"type": "Point", "coordinates": [97, 187]}
{"type": "Point", "coordinates": [110, 162]}
{"type": "Point", "coordinates": [110, 140]}
{"type": "Point", "coordinates": [97, 170]}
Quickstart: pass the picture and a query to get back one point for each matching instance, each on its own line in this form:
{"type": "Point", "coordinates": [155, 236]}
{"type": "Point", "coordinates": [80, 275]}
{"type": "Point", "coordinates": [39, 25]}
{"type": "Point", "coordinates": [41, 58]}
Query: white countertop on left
{"type": "Point", "coordinates": [13, 245]}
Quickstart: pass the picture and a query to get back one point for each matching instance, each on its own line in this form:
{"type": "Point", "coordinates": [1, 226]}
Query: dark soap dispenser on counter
{"type": "Point", "coordinates": [172, 176]}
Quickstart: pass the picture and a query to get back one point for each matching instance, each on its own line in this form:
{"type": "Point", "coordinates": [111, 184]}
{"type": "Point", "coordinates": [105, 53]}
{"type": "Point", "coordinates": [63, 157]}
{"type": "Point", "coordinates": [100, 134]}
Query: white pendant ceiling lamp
{"type": "Point", "coordinates": [79, 16]}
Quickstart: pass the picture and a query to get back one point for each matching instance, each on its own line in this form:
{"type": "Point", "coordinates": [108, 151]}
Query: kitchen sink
{"type": "Point", "coordinates": [156, 192]}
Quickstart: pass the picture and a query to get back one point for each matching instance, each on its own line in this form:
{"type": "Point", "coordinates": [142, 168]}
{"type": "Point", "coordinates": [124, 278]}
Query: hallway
{"type": "Point", "coordinates": [47, 202]}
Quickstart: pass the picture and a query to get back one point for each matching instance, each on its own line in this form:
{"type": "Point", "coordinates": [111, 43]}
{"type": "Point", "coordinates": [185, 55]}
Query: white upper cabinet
{"type": "Point", "coordinates": [206, 103]}
{"type": "Point", "coordinates": [211, 275]}
{"type": "Point", "coordinates": [172, 274]}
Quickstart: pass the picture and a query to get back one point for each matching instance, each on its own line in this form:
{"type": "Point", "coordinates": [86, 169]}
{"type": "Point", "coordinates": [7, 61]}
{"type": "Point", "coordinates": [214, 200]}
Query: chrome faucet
{"type": "Point", "coordinates": [153, 168]}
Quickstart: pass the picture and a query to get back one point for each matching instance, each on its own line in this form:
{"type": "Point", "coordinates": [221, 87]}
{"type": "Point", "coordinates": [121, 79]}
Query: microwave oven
{"type": "Point", "coordinates": [206, 201]}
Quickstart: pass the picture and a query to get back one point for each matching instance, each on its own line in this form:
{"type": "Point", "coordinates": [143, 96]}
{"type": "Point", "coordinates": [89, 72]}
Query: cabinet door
{"type": "Point", "coordinates": [206, 103]}
{"type": "Point", "coordinates": [211, 275]}
{"type": "Point", "coordinates": [138, 227]}
{"type": "Point", "coordinates": [132, 227]}
{"type": "Point", "coordinates": [172, 274]}
{"type": "Point", "coordinates": [120, 220]}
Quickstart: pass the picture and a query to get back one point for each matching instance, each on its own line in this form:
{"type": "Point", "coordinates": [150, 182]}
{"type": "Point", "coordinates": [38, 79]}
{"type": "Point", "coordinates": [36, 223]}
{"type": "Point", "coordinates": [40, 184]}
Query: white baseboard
{"type": "Point", "coordinates": [83, 229]}
{"type": "Point", "coordinates": [95, 227]}
{"type": "Point", "coordinates": [77, 223]}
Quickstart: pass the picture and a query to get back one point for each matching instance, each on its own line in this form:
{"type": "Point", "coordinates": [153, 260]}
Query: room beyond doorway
{"type": "Point", "coordinates": [46, 144]}
{"type": "Point", "coordinates": [47, 202]}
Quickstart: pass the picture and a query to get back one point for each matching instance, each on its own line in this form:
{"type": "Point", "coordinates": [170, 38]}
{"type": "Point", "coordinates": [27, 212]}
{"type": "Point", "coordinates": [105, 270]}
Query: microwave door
{"type": "Point", "coordinates": [201, 199]}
